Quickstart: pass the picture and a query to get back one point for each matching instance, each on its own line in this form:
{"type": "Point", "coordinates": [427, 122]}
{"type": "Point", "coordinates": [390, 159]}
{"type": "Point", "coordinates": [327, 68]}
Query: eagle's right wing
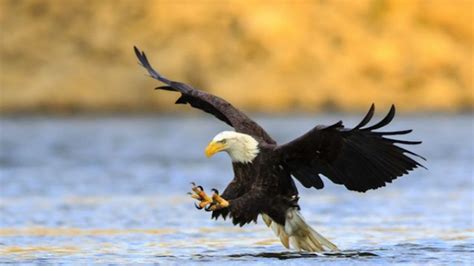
{"type": "Point", "coordinates": [207, 103]}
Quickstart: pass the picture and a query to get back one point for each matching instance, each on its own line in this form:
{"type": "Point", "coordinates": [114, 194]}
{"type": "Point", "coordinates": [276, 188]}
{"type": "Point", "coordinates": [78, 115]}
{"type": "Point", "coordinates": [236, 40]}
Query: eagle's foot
{"type": "Point", "coordinates": [199, 194]}
{"type": "Point", "coordinates": [217, 202]}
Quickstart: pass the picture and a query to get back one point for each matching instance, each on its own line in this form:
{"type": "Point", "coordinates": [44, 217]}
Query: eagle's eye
{"type": "Point", "coordinates": [223, 141]}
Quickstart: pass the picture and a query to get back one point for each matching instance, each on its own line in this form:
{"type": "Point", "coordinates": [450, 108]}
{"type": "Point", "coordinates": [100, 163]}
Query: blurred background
{"type": "Point", "coordinates": [95, 164]}
{"type": "Point", "coordinates": [266, 56]}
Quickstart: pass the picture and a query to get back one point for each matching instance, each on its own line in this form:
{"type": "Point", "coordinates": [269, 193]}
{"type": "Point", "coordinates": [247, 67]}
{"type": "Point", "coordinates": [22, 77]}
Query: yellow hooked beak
{"type": "Point", "coordinates": [213, 148]}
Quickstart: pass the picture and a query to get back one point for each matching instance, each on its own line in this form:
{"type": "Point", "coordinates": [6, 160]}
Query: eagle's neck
{"type": "Point", "coordinates": [243, 149]}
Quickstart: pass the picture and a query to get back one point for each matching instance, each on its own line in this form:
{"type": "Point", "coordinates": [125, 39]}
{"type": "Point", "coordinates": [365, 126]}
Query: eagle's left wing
{"type": "Point", "coordinates": [359, 158]}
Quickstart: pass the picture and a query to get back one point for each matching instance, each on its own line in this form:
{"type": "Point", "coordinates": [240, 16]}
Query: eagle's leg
{"type": "Point", "coordinates": [199, 194]}
{"type": "Point", "coordinates": [217, 202]}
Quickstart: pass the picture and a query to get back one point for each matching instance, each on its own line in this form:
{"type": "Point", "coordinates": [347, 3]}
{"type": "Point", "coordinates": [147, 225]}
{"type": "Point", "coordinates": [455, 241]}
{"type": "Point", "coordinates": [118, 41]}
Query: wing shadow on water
{"type": "Point", "coordinates": [302, 255]}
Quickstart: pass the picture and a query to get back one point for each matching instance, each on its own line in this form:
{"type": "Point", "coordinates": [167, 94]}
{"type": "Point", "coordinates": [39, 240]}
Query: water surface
{"type": "Point", "coordinates": [113, 190]}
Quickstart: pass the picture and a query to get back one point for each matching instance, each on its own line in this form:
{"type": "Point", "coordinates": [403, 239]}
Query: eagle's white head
{"type": "Point", "coordinates": [241, 148]}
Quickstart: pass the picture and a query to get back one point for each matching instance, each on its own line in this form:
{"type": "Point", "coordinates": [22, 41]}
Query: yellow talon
{"type": "Point", "coordinates": [201, 196]}
{"type": "Point", "coordinates": [195, 196]}
{"type": "Point", "coordinates": [217, 202]}
{"type": "Point", "coordinates": [220, 201]}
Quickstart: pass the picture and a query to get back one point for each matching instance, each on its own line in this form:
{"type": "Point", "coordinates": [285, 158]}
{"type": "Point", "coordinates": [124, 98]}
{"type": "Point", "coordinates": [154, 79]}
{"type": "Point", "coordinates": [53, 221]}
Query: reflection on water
{"type": "Point", "coordinates": [113, 190]}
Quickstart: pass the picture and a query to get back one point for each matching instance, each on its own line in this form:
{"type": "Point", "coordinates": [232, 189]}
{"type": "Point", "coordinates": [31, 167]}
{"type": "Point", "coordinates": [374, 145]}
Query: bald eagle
{"type": "Point", "coordinates": [360, 158]}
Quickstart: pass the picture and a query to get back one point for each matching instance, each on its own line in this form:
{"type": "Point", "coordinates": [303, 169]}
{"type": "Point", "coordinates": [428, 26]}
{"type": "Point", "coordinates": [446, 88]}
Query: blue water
{"type": "Point", "coordinates": [113, 190]}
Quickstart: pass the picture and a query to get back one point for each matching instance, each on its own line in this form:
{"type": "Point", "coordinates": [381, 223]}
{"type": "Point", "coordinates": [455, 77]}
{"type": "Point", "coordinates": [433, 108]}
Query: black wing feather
{"type": "Point", "coordinates": [367, 117]}
{"type": "Point", "coordinates": [359, 158]}
{"type": "Point", "coordinates": [207, 102]}
{"type": "Point", "coordinates": [387, 119]}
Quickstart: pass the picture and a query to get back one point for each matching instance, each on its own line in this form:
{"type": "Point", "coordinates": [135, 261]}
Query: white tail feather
{"type": "Point", "coordinates": [298, 234]}
{"type": "Point", "coordinates": [267, 219]}
{"type": "Point", "coordinates": [279, 230]}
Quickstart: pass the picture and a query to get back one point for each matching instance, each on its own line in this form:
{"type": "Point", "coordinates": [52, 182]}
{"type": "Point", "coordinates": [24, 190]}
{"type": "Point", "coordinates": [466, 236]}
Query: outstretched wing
{"type": "Point", "coordinates": [359, 158]}
{"type": "Point", "coordinates": [207, 103]}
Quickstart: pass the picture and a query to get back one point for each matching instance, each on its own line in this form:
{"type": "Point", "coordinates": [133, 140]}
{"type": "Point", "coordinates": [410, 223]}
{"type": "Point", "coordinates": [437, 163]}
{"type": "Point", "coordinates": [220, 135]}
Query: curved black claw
{"type": "Point", "coordinates": [192, 183]}
{"type": "Point", "coordinates": [201, 188]}
{"type": "Point", "coordinates": [215, 191]}
{"type": "Point", "coordinates": [208, 208]}
{"type": "Point", "coordinates": [198, 207]}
